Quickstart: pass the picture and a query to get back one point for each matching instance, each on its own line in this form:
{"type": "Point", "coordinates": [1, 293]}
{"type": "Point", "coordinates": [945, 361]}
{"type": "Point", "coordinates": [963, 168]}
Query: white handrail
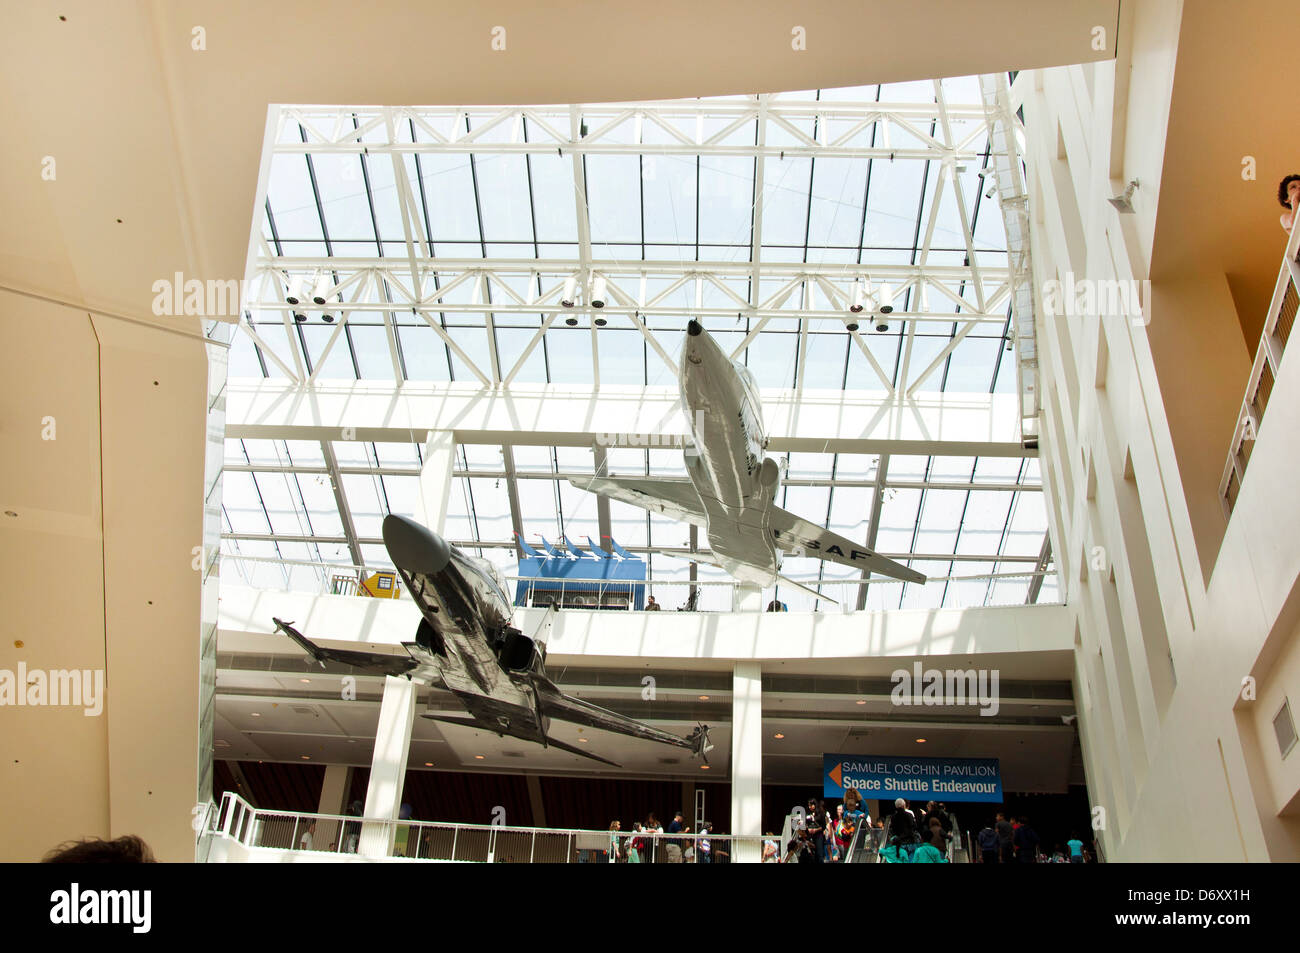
{"type": "Point", "coordinates": [1268, 355]}
{"type": "Point", "coordinates": [252, 827]}
{"type": "Point", "coordinates": [711, 594]}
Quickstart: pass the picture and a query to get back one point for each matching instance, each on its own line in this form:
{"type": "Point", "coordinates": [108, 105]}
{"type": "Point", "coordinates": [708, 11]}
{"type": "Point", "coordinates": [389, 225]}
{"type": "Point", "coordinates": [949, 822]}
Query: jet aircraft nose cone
{"type": "Point", "coordinates": [694, 328]}
{"type": "Point", "coordinates": [413, 547]}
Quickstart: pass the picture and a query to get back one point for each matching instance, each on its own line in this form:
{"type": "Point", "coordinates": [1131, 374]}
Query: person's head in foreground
{"type": "Point", "coordinates": [128, 849]}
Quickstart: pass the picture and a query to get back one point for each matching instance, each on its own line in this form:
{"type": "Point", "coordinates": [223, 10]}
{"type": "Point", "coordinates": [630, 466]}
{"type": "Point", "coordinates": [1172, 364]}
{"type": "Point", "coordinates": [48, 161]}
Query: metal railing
{"type": "Point", "coordinates": [714, 595]}
{"type": "Point", "coordinates": [1263, 373]}
{"type": "Point", "coordinates": [341, 835]}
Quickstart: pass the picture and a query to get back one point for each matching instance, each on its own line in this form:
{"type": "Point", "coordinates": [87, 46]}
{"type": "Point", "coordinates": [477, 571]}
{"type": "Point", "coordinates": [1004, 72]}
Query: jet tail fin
{"type": "Point", "coordinates": [699, 739]}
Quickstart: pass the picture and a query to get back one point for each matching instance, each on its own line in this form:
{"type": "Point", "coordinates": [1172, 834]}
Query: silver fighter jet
{"type": "Point", "coordinates": [468, 644]}
{"type": "Point", "coordinates": [732, 484]}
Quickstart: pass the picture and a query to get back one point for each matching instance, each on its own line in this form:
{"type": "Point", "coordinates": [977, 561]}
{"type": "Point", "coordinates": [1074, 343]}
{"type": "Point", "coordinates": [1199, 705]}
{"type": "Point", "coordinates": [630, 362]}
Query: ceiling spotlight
{"type": "Point", "coordinates": [860, 701]}
{"type": "Point", "coordinates": [571, 322]}
{"type": "Point", "coordinates": [305, 681]}
{"type": "Point", "coordinates": [778, 736]}
{"type": "Point", "coordinates": [327, 318]}
{"type": "Point", "coordinates": [299, 317]}
{"type": "Point", "coordinates": [598, 292]}
{"type": "Point", "coordinates": [859, 293]}
{"type": "Point", "coordinates": [478, 757]}
{"type": "Point", "coordinates": [293, 295]}
{"type": "Point", "coordinates": [1010, 341]}
{"type": "Point", "coordinates": [428, 764]}
{"type": "Point", "coordinates": [601, 322]}
{"type": "Point", "coordinates": [851, 326]}
{"type": "Point", "coordinates": [882, 325]}
{"type": "Point", "coordinates": [988, 193]}
{"type": "Point", "coordinates": [1124, 203]}
{"type": "Point", "coordinates": [322, 289]}
{"type": "Point", "coordinates": [570, 289]}
{"type": "Point", "coordinates": [920, 741]}
{"type": "Point", "coordinates": [256, 714]}
{"type": "Point", "coordinates": [886, 298]}
{"type": "Point", "coordinates": [306, 757]}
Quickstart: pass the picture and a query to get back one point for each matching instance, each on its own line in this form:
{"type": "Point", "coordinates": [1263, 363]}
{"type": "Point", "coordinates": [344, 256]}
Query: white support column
{"type": "Point", "coordinates": [747, 760]}
{"type": "Point", "coordinates": [435, 480]}
{"type": "Point", "coordinates": [397, 712]}
{"type": "Point", "coordinates": [746, 598]}
{"type": "Point", "coordinates": [388, 768]}
{"type": "Point", "coordinates": [333, 800]}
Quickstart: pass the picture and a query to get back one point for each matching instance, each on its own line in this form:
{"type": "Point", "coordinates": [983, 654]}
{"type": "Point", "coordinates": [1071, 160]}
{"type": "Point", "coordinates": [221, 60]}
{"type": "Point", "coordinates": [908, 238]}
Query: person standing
{"type": "Point", "coordinates": [654, 829]}
{"type": "Point", "coordinates": [1006, 850]}
{"type": "Point", "coordinates": [1026, 843]}
{"type": "Point", "coordinates": [988, 841]}
{"type": "Point", "coordinates": [817, 821]}
{"type": "Point", "coordinates": [637, 845]}
{"type": "Point", "coordinates": [615, 851]}
{"type": "Point", "coordinates": [673, 848]}
{"type": "Point", "coordinates": [305, 841]}
{"type": "Point", "coordinates": [652, 606]}
{"type": "Point", "coordinates": [1076, 848]}
{"type": "Point", "coordinates": [1288, 192]}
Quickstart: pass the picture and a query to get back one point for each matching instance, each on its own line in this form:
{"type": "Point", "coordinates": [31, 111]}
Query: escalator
{"type": "Point", "coordinates": [865, 846]}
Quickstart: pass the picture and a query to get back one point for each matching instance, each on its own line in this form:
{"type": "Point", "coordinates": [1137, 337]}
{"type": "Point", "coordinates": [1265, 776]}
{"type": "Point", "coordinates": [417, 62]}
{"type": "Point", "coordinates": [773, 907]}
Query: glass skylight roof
{"type": "Point", "coordinates": [442, 239]}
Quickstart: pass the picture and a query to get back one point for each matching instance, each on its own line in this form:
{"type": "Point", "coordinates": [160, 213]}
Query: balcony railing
{"type": "Point", "coordinates": [317, 836]}
{"type": "Point", "coordinates": [713, 595]}
{"type": "Point", "coordinates": [1263, 373]}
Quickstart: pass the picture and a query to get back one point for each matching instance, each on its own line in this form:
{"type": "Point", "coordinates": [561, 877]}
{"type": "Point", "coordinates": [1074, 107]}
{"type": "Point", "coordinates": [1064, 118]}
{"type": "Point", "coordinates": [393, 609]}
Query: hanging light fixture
{"type": "Point", "coordinates": [598, 292]}
{"type": "Point", "coordinates": [886, 298]}
{"type": "Point", "coordinates": [570, 289]}
{"type": "Point", "coordinates": [322, 289]}
{"type": "Point", "coordinates": [859, 295]}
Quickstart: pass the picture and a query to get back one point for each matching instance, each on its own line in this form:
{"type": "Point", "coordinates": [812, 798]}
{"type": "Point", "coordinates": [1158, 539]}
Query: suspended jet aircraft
{"type": "Point", "coordinates": [731, 484]}
{"type": "Point", "coordinates": [468, 644]}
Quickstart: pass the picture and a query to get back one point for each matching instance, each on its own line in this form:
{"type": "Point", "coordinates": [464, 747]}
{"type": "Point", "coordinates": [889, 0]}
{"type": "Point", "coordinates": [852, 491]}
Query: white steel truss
{"type": "Point", "coordinates": [806, 296]}
{"type": "Point", "coordinates": [647, 295]}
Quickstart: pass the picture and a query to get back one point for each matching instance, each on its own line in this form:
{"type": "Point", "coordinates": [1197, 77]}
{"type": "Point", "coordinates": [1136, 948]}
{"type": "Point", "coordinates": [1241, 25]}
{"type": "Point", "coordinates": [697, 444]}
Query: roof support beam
{"type": "Point", "coordinates": [341, 500]}
{"type": "Point", "coordinates": [1044, 558]}
{"type": "Point", "coordinates": [551, 415]}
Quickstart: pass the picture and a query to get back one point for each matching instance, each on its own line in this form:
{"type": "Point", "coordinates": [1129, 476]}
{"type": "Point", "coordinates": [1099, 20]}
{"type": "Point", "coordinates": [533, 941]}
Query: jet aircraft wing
{"type": "Point", "coordinates": [674, 498]}
{"type": "Point", "coordinates": [797, 535]}
{"type": "Point", "coordinates": [555, 704]}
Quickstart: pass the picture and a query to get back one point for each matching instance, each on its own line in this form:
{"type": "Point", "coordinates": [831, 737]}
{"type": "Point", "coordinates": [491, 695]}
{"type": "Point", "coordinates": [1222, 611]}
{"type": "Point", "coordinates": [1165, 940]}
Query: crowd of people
{"type": "Point", "coordinates": [1010, 840]}
{"type": "Point", "coordinates": [648, 842]}
{"type": "Point", "coordinates": [905, 836]}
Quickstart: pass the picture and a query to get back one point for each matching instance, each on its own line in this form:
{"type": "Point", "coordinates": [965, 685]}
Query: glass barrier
{"type": "Point", "coordinates": [837, 596]}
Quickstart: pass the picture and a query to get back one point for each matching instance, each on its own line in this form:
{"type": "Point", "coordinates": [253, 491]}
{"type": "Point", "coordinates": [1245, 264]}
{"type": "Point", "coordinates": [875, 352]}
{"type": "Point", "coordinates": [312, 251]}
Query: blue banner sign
{"type": "Point", "coordinates": [916, 779]}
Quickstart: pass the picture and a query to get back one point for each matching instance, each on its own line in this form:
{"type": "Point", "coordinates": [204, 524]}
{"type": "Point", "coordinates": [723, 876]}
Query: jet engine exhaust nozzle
{"type": "Point", "coordinates": [413, 547]}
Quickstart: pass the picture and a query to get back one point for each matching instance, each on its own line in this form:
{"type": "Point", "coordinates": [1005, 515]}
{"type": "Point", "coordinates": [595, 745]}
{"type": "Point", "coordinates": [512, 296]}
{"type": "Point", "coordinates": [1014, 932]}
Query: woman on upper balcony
{"type": "Point", "coordinates": [1288, 194]}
